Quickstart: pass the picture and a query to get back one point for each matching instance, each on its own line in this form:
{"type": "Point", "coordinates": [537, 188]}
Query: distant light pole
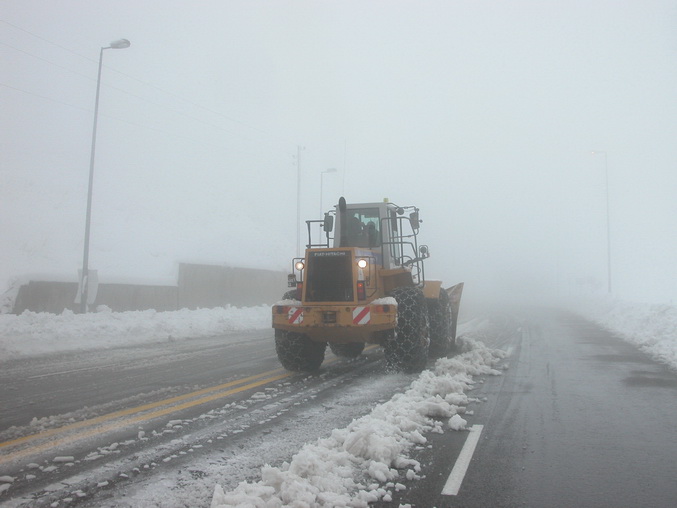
{"type": "Point", "coordinates": [608, 228]}
{"type": "Point", "coordinates": [119, 44]}
{"type": "Point", "coordinates": [298, 199]}
{"type": "Point", "coordinates": [330, 170]}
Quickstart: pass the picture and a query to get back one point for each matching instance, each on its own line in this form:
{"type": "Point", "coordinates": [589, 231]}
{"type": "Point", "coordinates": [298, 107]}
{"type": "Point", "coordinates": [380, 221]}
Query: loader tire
{"type": "Point", "coordinates": [407, 349]}
{"type": "Point", "coordinates": [297, 352]}
{"type": "Point", "coordinates": [441, 339]}
{"type": "Point", "coordinates": [290, 295]}
{"type": "Point", "coordinates": [350, 350]}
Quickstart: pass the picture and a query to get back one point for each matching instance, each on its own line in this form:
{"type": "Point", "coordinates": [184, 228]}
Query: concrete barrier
{"type": "Point", "coordinates": [211, 286]}
{"type": "Point", "coordinates": [55, 297]}
{"type": "Point", "coordinates": [199, 286]}
{"type": "Point", "coordinates": [45, 296]}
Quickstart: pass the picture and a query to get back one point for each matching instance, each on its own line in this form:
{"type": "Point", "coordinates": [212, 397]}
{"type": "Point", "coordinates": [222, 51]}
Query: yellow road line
{"type": "Point", "coordinates": [130, 421]}
{"type": "Point", "coordinates": [247, 381]}
{"type": "Point", "coordinates": [171, 407]}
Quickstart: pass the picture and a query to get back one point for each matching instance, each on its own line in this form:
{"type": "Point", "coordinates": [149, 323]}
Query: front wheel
{"type": "Point", "coordinates": [407, 349]}
{"type": "Point", "coordinates": [297, 352]}
{"type": "Point", "coordinates": [441, 337]}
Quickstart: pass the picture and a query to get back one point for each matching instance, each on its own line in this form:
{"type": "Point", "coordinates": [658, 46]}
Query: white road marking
{"type": "Point", "coordinates": [74, 370]}
{"type": "Point", "coordinates": [457, 474]}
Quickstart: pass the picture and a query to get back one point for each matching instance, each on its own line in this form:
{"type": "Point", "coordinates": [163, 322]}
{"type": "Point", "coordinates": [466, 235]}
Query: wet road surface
{"type": "Point", "coordinates": [580, 418]}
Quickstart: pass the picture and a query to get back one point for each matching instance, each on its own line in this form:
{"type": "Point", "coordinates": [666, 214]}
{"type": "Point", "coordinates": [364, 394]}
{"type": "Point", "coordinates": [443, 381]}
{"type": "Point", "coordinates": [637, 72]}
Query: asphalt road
{"type": "Point", "coordinates": [105, 380]}
{"type": "Point", "coordinates": [579, 418]}
{"type": "Point", "coordinates": [87, 428]}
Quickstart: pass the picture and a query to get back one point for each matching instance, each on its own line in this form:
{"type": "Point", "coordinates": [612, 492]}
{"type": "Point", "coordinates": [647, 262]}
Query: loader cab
{"type": "Point", "coordinates": [362, 228]}
{"type": "Point", "coordinates": [362, 248]}
{"type": "Point", "coordinates": [383, 229]}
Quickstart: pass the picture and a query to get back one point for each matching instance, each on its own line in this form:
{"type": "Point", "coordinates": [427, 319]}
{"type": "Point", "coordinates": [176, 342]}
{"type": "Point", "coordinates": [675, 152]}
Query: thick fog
{"type": "Point", "coordinates": [484, 114]}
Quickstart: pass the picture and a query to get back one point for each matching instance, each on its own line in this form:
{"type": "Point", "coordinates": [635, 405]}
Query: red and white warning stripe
{"type": "Point", "coordinates": [361, 315]}
{"type": "Point", "coordinates": [295, 315]}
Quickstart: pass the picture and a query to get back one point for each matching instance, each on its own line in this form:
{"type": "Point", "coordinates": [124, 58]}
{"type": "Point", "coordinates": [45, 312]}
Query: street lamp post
{"type": "Point", "coordinates": [330, 170]}
{"type": "Point", "coordinates": [84, 282]}
{"type": "Point", "coordinates": [608, 228]}
{"type": "Point", "coordinates": [298, 200]}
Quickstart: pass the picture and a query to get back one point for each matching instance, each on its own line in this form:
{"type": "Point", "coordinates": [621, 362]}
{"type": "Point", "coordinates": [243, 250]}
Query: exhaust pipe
{"type": "Point", "coordinates": [343, 219]}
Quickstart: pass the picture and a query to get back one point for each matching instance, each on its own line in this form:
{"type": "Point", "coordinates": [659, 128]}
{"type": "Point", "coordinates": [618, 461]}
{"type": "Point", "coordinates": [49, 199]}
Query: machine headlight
{"type": "Point", "coordinates": [362, 263]}
{"type": "Point", "coordinates": [300, 265]}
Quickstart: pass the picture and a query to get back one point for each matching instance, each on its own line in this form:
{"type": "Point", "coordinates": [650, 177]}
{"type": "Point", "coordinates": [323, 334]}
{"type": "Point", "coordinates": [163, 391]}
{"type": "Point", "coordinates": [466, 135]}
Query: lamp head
{"type": "Point", "coordinates": [120, 44]}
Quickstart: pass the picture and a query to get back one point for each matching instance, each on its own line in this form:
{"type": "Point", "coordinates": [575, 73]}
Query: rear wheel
{"type": "Point", "coordinates": [297, 352]}
{"type": "Point", "coordinates": [350, 350]}
{"type": "Point", "coordinates": [407, 349]}
{"type": "Point", "coordinates": [441, 339]}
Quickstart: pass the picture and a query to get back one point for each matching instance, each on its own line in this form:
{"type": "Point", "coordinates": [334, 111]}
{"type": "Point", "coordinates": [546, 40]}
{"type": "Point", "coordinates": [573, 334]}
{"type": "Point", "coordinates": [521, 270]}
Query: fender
{"type": "Point", "coordinates": [431, 289]}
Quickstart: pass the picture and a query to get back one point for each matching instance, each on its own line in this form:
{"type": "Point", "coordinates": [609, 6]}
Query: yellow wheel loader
{"type": "Point", "coordinates": [363, 283]}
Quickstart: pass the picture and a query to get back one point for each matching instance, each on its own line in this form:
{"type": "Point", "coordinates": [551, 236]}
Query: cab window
{"type": "Point", "coordinates": [363, 228]}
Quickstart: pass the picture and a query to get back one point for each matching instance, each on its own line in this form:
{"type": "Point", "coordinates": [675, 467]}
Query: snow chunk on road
{"type": "Point", "coordinates": [63, 459]}
{"type": "Point", "coordinates": [457, 423]}
{"type": "Point", "coordinates": [335, 471]}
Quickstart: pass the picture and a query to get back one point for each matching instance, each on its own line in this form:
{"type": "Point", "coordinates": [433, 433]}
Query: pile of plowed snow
{"type": "Point", "coordinates": [365, 461]}
{"type": "Point", "coordinates": [35, 333]}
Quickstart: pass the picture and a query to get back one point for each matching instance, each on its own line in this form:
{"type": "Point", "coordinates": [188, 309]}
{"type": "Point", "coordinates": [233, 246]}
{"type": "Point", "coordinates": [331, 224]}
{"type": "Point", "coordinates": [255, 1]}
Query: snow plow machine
{"type": "Point", "coordinates": [364, 283]}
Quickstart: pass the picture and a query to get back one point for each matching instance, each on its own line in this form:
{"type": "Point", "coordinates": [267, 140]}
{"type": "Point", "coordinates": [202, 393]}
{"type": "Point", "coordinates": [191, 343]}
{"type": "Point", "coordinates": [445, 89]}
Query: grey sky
{"type": "Point", "coordinates": [483, 114]}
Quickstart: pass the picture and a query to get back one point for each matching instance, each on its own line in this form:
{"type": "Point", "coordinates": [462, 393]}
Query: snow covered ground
{"type": "Point", "coordinates": [38, 333]}
{"type": "Point", "coordinates": [366, 460]}
{"type": "Point", "coordinates": [651, 327]}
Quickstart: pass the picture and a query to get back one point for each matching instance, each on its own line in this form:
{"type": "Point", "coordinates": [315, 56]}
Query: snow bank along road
{"type": "Point", "coordinates": [579, 418]}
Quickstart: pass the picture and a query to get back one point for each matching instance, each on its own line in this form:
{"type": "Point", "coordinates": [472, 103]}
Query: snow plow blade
{"type": "Point", "coordinates": [454, 293]}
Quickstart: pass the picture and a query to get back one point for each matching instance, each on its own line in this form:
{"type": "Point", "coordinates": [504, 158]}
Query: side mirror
{"type": "Point", "coordinates": [414, 220]}
{"type": "Point", "coordinates": [328, 223]}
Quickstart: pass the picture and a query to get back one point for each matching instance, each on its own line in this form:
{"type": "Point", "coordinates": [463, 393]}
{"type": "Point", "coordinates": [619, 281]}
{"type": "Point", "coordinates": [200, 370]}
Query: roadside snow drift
{"type": "Point", "coordinates": [35, 333]}
{"type": "Point", "coordinates": [651, 327]}
{"type": "Point", "coordinates": [364, 462]}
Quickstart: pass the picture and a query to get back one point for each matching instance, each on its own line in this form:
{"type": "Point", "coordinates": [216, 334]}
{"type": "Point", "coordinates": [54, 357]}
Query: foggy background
{"type": "Point", "coordinates": [482, 113]}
